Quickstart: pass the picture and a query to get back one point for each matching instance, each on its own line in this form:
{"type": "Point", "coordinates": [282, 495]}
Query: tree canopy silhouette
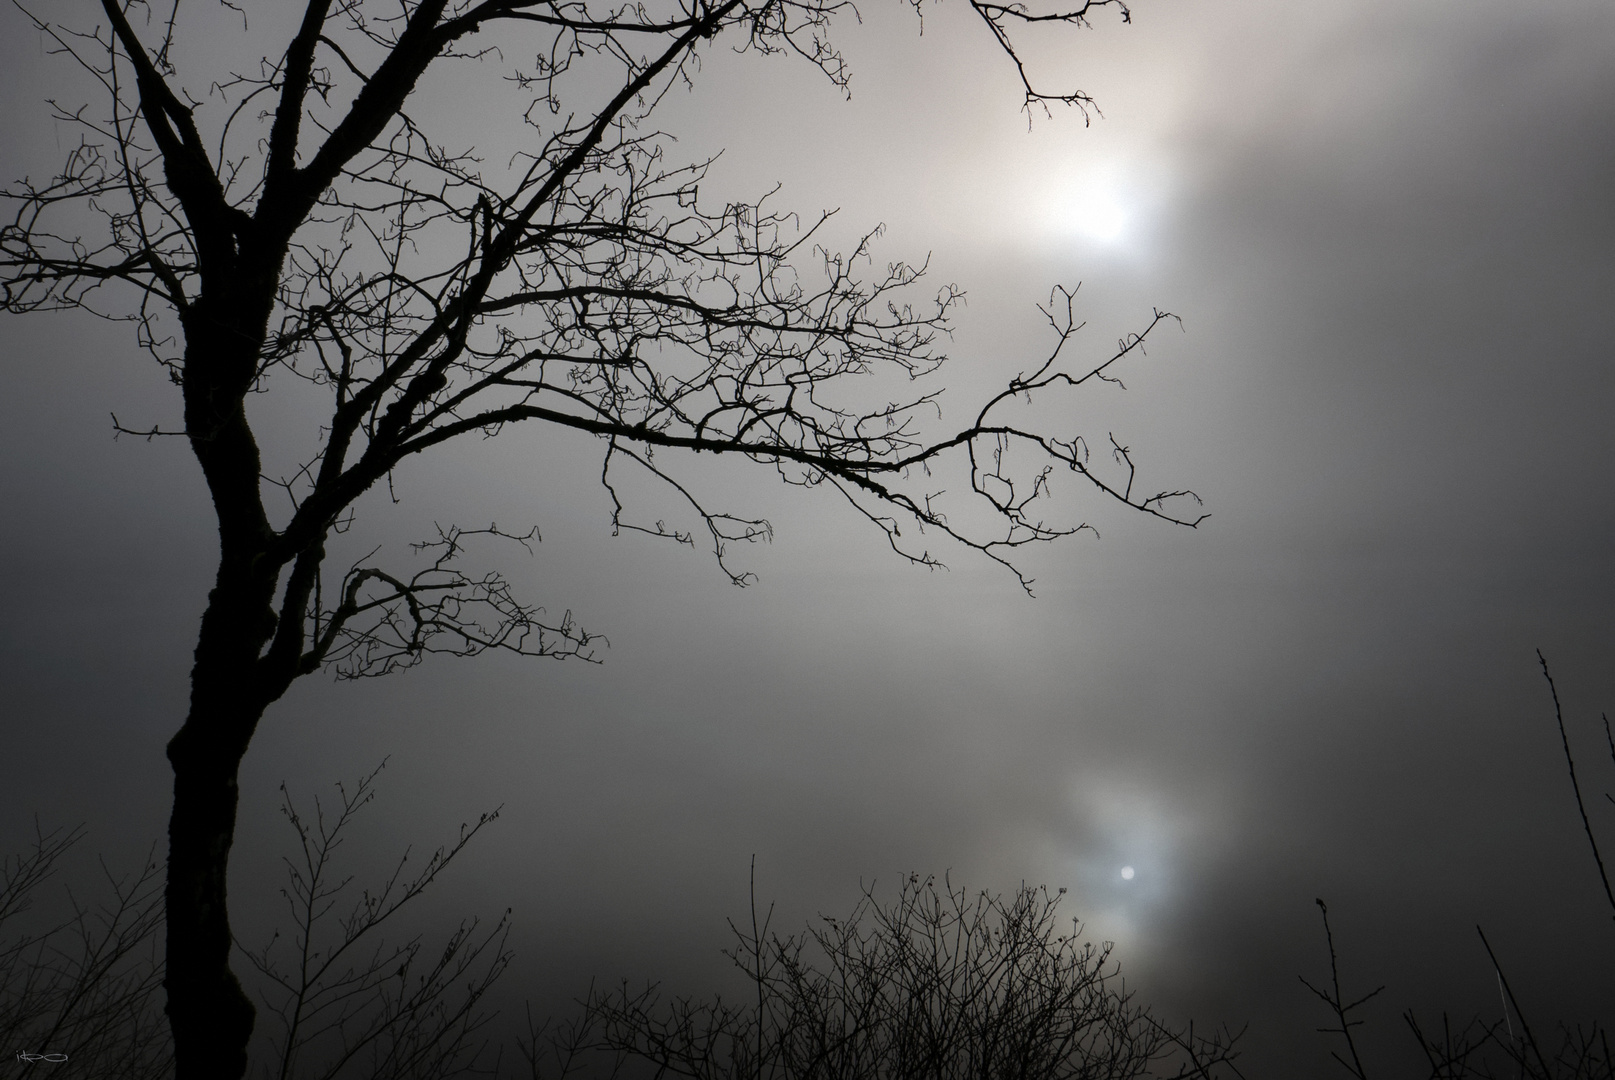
{"type": "Point", "coordinates": [295, 224]}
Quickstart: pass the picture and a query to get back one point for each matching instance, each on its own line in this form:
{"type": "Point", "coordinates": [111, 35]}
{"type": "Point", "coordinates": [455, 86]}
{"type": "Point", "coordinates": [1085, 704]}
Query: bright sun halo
{"type": "Point", "coordinates": [1127, 873]}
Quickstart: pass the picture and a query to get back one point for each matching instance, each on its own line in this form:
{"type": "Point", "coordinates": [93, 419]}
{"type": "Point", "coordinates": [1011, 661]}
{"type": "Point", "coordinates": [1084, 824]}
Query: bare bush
{"type": "Point", "coordinates": [83, 990]}
{"type": "Point", "coordinates": [346, 1002]}
{"type": "Point", "coordinates": [939, 984]}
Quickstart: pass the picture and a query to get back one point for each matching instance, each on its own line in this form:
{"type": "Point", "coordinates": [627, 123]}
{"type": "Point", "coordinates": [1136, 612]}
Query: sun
{"type": "Point", "coordinates": [1106, 204]}
{"type": "Point", "coordinates": [1127, 873]}
{"type": "Point", "coordinates": [1098, 211]}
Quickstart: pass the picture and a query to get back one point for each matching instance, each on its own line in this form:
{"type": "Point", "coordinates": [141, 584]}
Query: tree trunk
{"type": "Point", "coordinates": [211, 1016]}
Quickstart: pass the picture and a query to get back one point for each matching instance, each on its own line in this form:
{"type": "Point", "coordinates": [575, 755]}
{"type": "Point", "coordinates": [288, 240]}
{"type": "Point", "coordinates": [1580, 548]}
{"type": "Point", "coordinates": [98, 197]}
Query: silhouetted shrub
{"type": "Point", "coordinates": [85, 989]}
{"type": "Point", "coordinates": [939, 984]}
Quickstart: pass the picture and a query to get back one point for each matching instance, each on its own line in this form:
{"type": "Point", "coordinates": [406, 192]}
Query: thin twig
{"type": "Point", "coordinates": [1525, 1026]}
{"type": "Point", "coordinates": [1570, 763]}
{"type": "Point", "coordinates": [1338, 1004]}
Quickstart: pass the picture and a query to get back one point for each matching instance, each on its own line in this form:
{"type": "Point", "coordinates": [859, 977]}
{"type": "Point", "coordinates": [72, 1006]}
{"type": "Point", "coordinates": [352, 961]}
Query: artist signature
{"type": "Point", "coordinates": [23, 1055]}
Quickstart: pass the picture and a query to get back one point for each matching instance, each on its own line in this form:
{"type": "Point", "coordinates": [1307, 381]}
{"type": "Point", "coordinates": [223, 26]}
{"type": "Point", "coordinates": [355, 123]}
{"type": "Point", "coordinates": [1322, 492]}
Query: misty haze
{"type": "Point", "coordinates": [837, 551]}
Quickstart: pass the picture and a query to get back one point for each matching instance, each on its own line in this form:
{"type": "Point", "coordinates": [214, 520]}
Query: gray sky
{"type": "Point", "coordinates": [1388, 230]}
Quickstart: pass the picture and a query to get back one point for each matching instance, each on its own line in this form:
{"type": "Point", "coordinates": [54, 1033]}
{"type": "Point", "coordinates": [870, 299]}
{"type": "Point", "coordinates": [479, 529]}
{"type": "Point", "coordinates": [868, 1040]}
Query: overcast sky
{"type": "Point", "coordinates": [1389, 229]}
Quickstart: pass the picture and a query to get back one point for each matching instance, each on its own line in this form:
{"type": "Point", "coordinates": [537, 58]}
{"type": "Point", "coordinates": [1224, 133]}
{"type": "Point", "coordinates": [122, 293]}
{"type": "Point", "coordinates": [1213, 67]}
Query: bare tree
{"type": "Point", "coordinates": [936, 984]}
{"type": "Point", "coordinates": [295, 224]}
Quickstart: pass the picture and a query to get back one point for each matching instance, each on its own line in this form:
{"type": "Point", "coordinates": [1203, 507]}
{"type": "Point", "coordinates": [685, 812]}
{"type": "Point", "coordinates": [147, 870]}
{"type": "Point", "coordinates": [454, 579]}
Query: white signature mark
{"type": "Point", "coordinates": [23, 1055]}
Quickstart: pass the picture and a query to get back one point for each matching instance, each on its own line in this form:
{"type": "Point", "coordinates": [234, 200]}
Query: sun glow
{"type": "Point", "coordinates": [1095, 207]}
{"type": "Point", "coordinates": [1107, 205]}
